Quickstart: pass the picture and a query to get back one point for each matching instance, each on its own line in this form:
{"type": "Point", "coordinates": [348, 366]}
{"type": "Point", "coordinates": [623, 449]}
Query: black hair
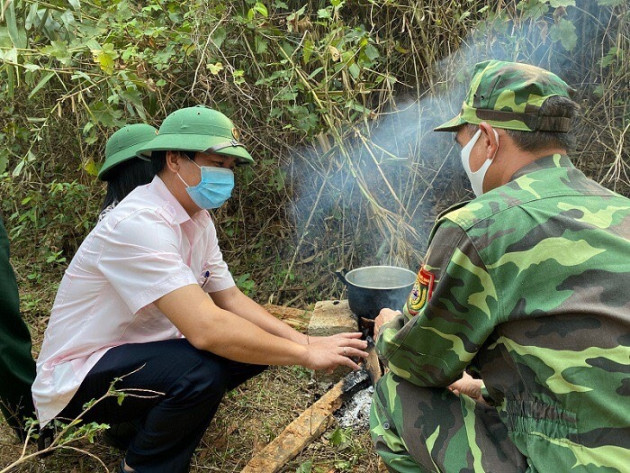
{"type": "Point", "coordinates": [158, 159]}
{"type": "Point", "coordinates": [125, 177]}
{"type": "Point", "coordinates": [555, 106]}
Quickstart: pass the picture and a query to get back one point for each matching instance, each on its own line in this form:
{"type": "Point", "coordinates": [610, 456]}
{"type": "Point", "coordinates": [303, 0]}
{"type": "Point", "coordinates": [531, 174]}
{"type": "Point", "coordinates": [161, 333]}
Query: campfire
{"type": "Point", "coordinates": [347, 401]}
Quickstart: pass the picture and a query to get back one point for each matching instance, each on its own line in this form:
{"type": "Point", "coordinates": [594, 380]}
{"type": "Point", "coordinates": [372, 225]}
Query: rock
{"type": "Point", "coordinates": [330, 318]}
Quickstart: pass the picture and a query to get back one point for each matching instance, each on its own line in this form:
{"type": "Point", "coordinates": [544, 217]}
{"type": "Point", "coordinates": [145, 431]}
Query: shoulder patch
{"type": "Point", "coordinates": [421, 292]}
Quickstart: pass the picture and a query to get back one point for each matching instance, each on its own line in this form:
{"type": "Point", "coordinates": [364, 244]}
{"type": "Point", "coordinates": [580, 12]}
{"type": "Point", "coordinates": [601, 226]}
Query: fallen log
{"type": "Point", "coordinates": [296, 318]}
{"type": "Point", "coordinates": [306, 428]}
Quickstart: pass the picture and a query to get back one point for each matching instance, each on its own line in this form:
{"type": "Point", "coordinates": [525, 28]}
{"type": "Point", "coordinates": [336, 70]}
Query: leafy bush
{"type": "Point", "coordinates": [336, 99]}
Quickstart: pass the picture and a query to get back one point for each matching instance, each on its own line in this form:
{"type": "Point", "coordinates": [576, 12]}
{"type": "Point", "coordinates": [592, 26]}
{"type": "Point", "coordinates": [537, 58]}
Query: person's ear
{"type": "Point", "coordinates": [490, 139]}
{"type": "Point", "coordinates": [173, 160]}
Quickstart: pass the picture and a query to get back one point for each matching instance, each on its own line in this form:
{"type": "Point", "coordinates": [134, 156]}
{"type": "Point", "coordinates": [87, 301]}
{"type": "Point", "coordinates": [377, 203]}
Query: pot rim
{"type": "Point", "coordinates": [398, 268]}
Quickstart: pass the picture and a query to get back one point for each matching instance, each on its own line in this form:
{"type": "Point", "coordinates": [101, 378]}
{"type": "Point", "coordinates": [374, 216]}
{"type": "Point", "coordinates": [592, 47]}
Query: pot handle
{"type": "Point", "coordinates": [341, 274]}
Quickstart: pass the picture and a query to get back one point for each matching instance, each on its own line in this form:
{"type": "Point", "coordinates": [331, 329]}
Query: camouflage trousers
{"type": "Point", "coordinates": [418, 429]}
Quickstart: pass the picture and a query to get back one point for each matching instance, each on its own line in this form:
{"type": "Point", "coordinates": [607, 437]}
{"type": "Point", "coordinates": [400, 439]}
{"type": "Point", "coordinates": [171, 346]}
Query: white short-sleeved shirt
{"type": "Point", "coordinates": [145, 248]}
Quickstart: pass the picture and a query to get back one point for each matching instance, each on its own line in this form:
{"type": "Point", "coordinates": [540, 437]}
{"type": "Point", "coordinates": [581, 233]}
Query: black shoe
{"type": "Point", "coordinates": [45, 439]}
{"type": "Point", "coordinates": [120, 435]}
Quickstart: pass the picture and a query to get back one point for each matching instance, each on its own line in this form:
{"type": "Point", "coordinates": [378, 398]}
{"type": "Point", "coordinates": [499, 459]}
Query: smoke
{"type": "Point", "coordinates": [373, 198]}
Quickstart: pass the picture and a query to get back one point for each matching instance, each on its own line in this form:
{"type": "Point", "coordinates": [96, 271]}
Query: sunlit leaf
{"type": "Point", "coordinates": [215, 68]}
{"type": "Point", "coordinates": [91, 167]}
{"type": "Point", "coordinates": [106, 57]}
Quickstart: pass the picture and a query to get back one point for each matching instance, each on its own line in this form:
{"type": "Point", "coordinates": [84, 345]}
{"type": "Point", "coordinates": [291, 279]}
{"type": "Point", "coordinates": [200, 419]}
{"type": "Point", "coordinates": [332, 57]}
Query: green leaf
{"type": "Point", "coordinates": [564, 31]}
{"type": "Point", "coordinates": [611, 3]}
{"type": "Point", "coordinates": [308, 49]}
{"type": "Point", "coordinates": [219, 36]}
{"type": "Point", "coordinates": [260, 7]}
{"type": "Point", "coordinates": [286, 96]}
{"type": "Point", "coordinates": [306, 467]}
{"type": "Point", "coordinates": [215, 68]}
{"type": "Point", "coordinates": [59, 51]}
{"type": "Point", "coordinates": [561, 3]}
{"type": "Point", "coordinates": [324, 14]}
{"type": "Point", "coordinates": [18, 169]}
{"type": "Point", "coordinates": [9, 55]}
{"type": "Point", "coordinates": [354, 70]}
{"type": "Point", "coordinates": [32, 16]}
{"type": "Point", "coordinates": [339, 437]}
{"type": "Point", "coordinates": [371, 52]}
{"type": "Point", "coordinates": [609, 58]}
{"type": "Point", "coordinates": [4, 160]}
{"type": "Point", "coordinates": [76, 4]}
{"type": "Point", "coordinates": [261, 45]}
{"type": "Point", "coordinates": [106, 57]}
{"type": "Point", "coordinates": [16, 33]}
{"type": "Point", "coordinates": [41, 84]}
{"type": "Point", "coordinates": [91, 167]}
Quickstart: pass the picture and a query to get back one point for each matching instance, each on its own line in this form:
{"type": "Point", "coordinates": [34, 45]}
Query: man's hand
{"type": "Point", "coordinates": [326, 353]}
{"type": "Point", "coordinates": [469, 386]}
{"type": "Point", "coordinates": [384, 316]}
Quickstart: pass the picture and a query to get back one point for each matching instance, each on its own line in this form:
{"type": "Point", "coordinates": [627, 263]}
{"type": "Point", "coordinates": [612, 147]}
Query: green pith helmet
{"type": "Point", "coordinates": [509, 95]}
{"type": "Point", "coordinates": [199, 129]}
{"type": "Point", "coordinates": [123, 146]}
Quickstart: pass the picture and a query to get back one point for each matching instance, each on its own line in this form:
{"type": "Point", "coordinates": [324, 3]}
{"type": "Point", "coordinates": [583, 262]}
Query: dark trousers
{"type": "Point", "coordinates": [17, 368]}
{"type": "Point", "coordinates": [173, 391]}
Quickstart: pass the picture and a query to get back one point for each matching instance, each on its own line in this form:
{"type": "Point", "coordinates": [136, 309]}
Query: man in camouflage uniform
{"type": "Point", "coordinates": [527, 286]}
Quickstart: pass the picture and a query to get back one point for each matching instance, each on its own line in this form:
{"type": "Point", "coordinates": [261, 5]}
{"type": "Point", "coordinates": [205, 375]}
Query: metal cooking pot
{"type": "Point", "coordinates": [372, 288]}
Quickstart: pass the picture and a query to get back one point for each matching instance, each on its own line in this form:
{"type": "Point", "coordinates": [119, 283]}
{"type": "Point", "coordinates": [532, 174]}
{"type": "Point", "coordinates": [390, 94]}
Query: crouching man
{"type": "Point", "coordinates": [527, 287]}
{"type": "Point", "coordinates": [148, 302]}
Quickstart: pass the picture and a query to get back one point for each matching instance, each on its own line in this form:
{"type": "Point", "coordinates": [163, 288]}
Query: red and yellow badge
{"type": "Point", "coordinates": [421, 292]}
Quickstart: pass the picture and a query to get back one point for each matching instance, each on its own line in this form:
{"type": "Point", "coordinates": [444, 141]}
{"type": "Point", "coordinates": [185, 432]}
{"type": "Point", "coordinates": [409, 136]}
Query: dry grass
{"type": "Point", "coordinates": [249, 417]}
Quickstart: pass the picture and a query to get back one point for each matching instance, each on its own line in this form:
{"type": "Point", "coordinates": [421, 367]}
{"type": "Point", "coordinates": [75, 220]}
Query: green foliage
{"type": "Point", "coordinates": [246, 284]}
{"type": "Point", "coordinates": [306, 467]}
{"type": "Point", "coordinates": [308, 84]}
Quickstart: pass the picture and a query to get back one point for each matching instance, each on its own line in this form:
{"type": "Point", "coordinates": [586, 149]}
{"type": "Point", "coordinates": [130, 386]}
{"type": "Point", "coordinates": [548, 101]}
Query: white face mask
{"type": "Point", "coordinates": [476, 178]}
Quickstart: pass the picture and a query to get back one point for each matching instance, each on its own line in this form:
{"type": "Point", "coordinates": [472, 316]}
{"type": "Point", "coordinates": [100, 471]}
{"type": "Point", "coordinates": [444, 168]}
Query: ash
{"type": "Point", "coordinates": [355, 413]}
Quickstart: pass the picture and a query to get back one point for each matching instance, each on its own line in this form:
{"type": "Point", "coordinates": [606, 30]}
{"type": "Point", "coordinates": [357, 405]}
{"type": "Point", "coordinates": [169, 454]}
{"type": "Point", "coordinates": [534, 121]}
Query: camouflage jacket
{"type": "Point", "coordinates": [529, 286]}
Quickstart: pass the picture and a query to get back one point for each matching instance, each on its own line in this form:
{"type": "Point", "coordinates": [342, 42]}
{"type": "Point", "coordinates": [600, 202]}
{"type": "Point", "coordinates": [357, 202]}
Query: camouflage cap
{"type": "Point", "coordinates": [509, 95]}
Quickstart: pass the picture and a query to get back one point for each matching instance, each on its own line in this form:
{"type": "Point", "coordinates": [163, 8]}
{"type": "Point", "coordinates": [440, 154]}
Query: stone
{"type": "Point", "coordinates": [330, 318]}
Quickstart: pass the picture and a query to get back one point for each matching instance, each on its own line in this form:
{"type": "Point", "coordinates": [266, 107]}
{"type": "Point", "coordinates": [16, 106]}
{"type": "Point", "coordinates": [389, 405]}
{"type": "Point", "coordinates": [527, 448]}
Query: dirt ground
{"type": "Point", "coordinates": [248, 419]}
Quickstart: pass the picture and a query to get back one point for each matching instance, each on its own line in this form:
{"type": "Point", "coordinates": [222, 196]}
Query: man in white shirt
{"type": "Point", "coordinates": [133, 306]}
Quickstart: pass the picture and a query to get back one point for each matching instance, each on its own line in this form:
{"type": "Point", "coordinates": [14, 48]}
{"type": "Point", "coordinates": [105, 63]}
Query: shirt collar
{"type": "Point", "coordinates": [547, 162]}
{"type": "Point", "coordinates": [173, 207]}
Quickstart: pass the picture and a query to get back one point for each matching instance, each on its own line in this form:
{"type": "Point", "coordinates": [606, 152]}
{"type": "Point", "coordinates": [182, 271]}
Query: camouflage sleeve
{"type": "Point", "coordinates": [451, 311]}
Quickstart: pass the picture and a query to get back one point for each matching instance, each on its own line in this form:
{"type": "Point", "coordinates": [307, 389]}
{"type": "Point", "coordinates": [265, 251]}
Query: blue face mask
{"type": "Point", "coordinates": [214, 188]}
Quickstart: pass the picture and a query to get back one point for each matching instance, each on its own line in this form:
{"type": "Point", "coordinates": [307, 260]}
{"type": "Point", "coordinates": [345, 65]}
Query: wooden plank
{"type": "Point", "coordinates": [298, 434]}
{"type": "Point", "coordinates": [296, 318]}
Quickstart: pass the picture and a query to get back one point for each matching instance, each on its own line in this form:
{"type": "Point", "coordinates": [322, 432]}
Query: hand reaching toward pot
{"type": "Point", "coordinates": [384, 316]}
{"type": "Point", "coordinates": [326, 353]}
